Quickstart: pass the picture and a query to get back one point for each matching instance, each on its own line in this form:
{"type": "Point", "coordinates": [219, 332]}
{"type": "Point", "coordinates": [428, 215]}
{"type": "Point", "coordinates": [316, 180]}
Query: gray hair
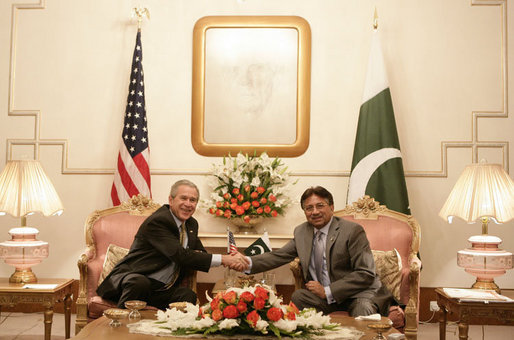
{"type": "Point", "coordinates": [174, 187]}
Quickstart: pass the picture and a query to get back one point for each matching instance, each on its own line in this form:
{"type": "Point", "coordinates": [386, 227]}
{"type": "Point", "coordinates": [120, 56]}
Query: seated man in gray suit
{"type": "Point", "coordinates": [336, 261]}
{"type": "Point", "coordinates": [165, 246]}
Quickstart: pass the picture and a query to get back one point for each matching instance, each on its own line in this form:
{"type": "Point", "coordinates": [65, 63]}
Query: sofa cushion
{"type": "Point", "coordinates": [114, 255]}
{"type": "Point", "coordinates": [388, 266]}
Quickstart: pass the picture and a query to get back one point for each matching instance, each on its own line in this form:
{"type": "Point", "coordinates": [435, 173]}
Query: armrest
{"type": "Point", "coordinates": [81, 302]}
{"type": "Point", "coordinates": [412, 308]}
{"type": "Point", "coordinates": [296, 269]}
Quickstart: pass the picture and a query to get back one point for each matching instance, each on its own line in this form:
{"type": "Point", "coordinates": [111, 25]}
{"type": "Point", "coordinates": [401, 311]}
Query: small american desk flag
{"type": "Point", "coordinates": [132, 175]}
{"type": "Point", "coordinates": [231, 249]}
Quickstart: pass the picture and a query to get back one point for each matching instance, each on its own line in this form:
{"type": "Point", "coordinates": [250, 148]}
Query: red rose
{"type": "Point", "coordinates": [240, 210]}
{"type": "Point", "coordinates": [219, 204]}
{"type": "Point", "coordinates": [219, 212]}
{"type": "Point", "coordinates": [254, 194]}
{"type": "Point", "coordinates": [247, 188]}
{"type": "Point", "coordinates": [267, 209]}
{"type": "Point", "coordinates": [258, 303]}
{"type": "Point", "coordinates": [241, 306]}
{"type": "Point", "coordinates": [273, 314]}
{"type": "Point", "coordinates": [200, 311]}
{"type": "Point", "coordinates": [247, 297]}
{"type": "Point", "coordinates": [240, 197]}
{"type": "Point", "coordinates": [226, 205]}
{"type": "Point", "coordinates": [212, 211]}
{"type": "Point", "coordinates": [272, 198]}
{"type": "Point", "coordinates": [226, 196]}
{"type": "Point", "coordinates": [274, 213]}
{"type": "Point", "coordinates": [227, 213]}
{"type": "Point", "coordinates": [233, 206]}
{"type": "Point", "coordinates": [290, 316]}
{"type": "Point", "coordinates": [246, 219]}
{"type": "Point", "coordinates": [261, 292]}
{"type": "Point", "coordinates": [235, 191]}
{"type": "Point", "coordinates": [246, 205]}
{"type": "Point", "coordinates": [263, 201]}
{"type": "Point", "coordinates": [230, 312]}
{"type": "Point", "coordinates": [233, 200]}
{"type": "Point", "coordinates": [252, 318]}
{"type": "Point", "coordinates": [216, 315]}
{"type": "Point", "coordinates": [260, 190]}
{"type": "Point", "coordinates": [260, 211]}
{"type": "Point", "coordinates": [255, 203]}
{"type": "Point", "coordinates": [230, 297]}
{"type": "Point", "coordinates": [292, 308]}
{"type": "Point", "coordinates": [215, 304]}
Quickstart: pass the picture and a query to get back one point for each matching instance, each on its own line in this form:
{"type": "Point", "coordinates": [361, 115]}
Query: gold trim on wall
{"type": "Point", "coordinates": [198, 121]}
{"type": "Point", "coordinates": [474, 144]}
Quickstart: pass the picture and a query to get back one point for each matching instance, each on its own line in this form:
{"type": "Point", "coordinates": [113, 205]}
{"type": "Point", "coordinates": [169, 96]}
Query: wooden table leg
{"type": "Point", "coordinates": [49, 314]}
{"type": "Point", "coordinates": [463, 330]}
{"type": "Point", "coordinates": [442, 323]}
{"type": "Point", "coordinates": [67, 315]}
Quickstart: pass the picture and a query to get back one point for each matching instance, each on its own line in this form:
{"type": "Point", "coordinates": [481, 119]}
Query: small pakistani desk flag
{"type": "Point", "coordinates": [262, 245]}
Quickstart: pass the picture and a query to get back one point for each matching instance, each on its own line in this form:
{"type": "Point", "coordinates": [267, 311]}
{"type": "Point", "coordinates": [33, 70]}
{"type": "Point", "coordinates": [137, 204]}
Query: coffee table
{"type": "Point", "coordinates": [100, 329]}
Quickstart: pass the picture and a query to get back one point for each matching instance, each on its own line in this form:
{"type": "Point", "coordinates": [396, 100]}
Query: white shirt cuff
{"type": "Point", "coordinates": [328, 293]}
{"type": "Point", "coordinates": [216, 260]}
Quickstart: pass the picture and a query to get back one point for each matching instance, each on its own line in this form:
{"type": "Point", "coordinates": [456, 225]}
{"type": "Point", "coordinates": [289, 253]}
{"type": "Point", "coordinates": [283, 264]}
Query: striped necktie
{"type": "Point", "coordinates": [319, 249]}
{"type": "Point", "coordinates": [174, 277]}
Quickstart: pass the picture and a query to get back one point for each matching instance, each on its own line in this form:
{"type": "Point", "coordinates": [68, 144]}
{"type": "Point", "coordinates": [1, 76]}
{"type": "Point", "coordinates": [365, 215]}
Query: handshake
{"type": "Point", "coordinates": [236, 261]}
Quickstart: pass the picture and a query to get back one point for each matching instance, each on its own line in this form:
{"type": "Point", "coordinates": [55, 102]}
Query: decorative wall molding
{"type": "Point", "coordinates": [474, 143]}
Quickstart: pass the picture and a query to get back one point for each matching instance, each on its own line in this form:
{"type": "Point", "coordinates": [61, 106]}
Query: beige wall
{"type": "Point", "coordinates": [68, 62]}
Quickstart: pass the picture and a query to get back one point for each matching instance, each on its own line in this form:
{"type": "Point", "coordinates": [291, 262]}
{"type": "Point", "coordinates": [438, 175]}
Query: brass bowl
{"type": "Point", "coordinates": [181, 306]}
{"type": "Point", "coordinates": [379, 328]}
{"type": "Point", "coordinates": [135, 306]}
{"type": "Point", "coordinates": [115, 315]}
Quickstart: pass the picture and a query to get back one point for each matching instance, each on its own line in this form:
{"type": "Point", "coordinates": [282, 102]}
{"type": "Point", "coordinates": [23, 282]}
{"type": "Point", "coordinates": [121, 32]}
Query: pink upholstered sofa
{"type": "Point", "coordinates": [116, 226]}
{"type": "Point", "coordinates": [387, 230]}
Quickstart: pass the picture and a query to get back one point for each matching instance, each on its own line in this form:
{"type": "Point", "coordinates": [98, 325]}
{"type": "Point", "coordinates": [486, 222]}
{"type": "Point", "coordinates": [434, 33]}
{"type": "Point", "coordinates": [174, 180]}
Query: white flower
{"type": "Point", "coordinates": [228, 324]}
{"type": "Point", "coordinates": [262, 326]}
{"type": "Point", "coordinates": [286, 325]}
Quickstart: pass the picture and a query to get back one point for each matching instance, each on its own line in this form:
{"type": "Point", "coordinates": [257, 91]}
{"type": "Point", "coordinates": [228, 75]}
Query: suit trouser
{"type": "Point", "coordinates": [139, 287]}
{"type": "Point", "coordinates": [304, 298]}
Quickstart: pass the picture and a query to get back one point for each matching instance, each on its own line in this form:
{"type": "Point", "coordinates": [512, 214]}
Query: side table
{"type": "Point", "coordinates": [13, 293]}
{"type": "Point", "coordinates": [465, 310]}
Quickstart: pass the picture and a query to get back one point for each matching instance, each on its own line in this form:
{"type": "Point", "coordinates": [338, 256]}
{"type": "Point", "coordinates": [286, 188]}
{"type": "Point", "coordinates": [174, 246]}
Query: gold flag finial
{"type": "Point", "coordinates": [375, 19]}
{"type": "Point", "coordinates": [140, 12]}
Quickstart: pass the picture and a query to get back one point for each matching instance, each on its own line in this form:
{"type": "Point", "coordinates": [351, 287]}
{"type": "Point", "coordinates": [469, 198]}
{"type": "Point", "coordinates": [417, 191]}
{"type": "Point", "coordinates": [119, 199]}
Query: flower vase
{"type": "Point", "coordinates": [246, 227]}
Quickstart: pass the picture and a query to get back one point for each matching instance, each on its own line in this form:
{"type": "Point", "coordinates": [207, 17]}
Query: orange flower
{"type": "Point", "coordinates": [261, 190]}
{"type": "Point", "coordinates": [267, 209]}
{"type": "Point", "coordinates": [252, 318]}
{"type": "Point", "coordinates": [219, 212]}
{"type": "Point", "coordinates": [240, 210]}
{"type": "Point", "coordinates": [226, 196]}
{"type": "Point", "coordinates": [247, 188]}
{"type": "Point", "coordinates": [227, 213]}
{"type": "Point", "coordinates": [212, 211]}
{"type": "Point", "coordinates": [254, 194]}
{"type": "Point", "coordinates": [235, 191]}
{"type": "Point", "coordinates": [260, 211]}
{"type": "Point", "coordinates": [233, 200]}
{"type": "Point", "coordinates": [272, 198]}
{"type": "Point", "coordinates": [242, 307]}
{"type": "Point", "coordinates": [217, 315]}
{"type": "Point", "coordinates": [219, 204]}
{"type": "Point", "coordinates": [240, 197]}
{"type": "Point", "coordinates": [258, 303]}
{"type": "Point", "coordinates": [246, 219]}
{"type": "Point", "coordinates": [247, 297]}
{"type": "Point", "coordinates": [261, 292]}
{"type": "Point", "coordinates": [274, 314]}
{"type": "Point", "coordinates": [246, 205]}
{"type": "Point", "coordinates": [274, 213]}
{"type": "Point", "coordinates": [230, 297]}
{"type": "Point", "coordinates": [215, 303]}
{"type": "Point", "coordinates": [255, 203]}
{"type": "Point", "coordinates": [264, 200]}
{"type": "Point", "coordinates": [230, 312]}
{"type": "Point", "coordinates": [290, 316]}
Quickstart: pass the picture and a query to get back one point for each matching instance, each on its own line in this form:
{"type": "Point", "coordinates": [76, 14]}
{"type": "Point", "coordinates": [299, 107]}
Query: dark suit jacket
{"type": "Point", "coordinates": [156, 244]}
{"type": "Point", "coordinates": [350, 263]}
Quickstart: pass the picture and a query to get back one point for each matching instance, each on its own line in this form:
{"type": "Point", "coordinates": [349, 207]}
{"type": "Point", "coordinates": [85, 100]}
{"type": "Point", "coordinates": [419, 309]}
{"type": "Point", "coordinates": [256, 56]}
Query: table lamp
{"type": "Point", "coordinates": [483, 192]}
{"type": "Point", "coordinates": [24, 190]}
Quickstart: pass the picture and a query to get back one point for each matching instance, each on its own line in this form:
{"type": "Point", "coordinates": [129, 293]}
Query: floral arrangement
{"type": "Point", "coordinates": [252, 310]}
{"type": "Point", "coordinates": [249, 186]}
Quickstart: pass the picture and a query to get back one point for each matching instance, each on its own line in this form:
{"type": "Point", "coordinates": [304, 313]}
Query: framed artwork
{"type": "Point", "coordinates": [251, 85]}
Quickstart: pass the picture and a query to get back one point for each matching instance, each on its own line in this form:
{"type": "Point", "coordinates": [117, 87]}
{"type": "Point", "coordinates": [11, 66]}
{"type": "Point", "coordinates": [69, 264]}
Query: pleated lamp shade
{"type": "Point", "coordinates": [482, 190]}
{"type": "Point", "coordinates": [26, 189]}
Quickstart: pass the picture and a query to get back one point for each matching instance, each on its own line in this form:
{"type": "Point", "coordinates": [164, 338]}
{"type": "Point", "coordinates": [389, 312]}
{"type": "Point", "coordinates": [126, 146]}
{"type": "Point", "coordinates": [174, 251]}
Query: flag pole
{"type": "Point", "coordinates": [375, 20]}
{"type": "Point", "coordinates": [140, 12]}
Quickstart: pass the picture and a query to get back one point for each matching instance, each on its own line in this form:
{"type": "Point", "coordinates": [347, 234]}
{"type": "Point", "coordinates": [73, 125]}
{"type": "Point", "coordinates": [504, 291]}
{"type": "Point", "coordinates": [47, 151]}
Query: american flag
{"type": "Point", "coordinates": [231, 249]}
{"type": "Point", "coordinates": [132, 175]}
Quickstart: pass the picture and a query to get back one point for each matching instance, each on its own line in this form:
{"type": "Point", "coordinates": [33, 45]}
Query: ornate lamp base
{"type": "Point", "coordinates": [246, 227]}
{"type": "Point", "coordinates": [23, 275]}
{"type": "Point", "coordinates": [485, 261]}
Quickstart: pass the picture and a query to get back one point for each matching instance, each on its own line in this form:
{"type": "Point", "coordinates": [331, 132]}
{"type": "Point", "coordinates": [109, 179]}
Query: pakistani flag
{"type": "Point", "coordinates": [377, 168]}
{"type": "Point", "coordinates": [260, 246]}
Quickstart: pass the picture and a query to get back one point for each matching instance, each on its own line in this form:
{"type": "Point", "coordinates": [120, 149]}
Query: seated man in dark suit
{"type": "Point", "coordinates": [165, 245]}
{"type": "Point", "coordinates": [336, 261]}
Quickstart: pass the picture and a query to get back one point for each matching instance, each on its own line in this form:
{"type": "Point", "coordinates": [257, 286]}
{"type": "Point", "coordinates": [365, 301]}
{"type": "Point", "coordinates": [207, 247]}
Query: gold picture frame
{"type": "Point", "coordinates": [251, 85]}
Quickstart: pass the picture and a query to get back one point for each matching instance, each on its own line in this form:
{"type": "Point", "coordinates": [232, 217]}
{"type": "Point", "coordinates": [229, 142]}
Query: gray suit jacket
{"type": "Point", "coordinates": [350, 263]}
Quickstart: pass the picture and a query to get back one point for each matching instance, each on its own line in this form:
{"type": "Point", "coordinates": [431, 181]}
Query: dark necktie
{"type": "Point", "coordinates": [174, 277]}
{"type": "Point", "coordinates": [319, 249]}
